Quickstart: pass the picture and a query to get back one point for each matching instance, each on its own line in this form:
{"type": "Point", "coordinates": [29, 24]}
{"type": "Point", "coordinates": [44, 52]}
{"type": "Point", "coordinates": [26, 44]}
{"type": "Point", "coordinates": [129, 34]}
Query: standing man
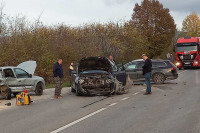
{"type": "Point", "coordinates": [71, 68]}
{"type": "Point", "coordinates": [58, 75]}
{"type": "Point", "coordinates": [147, 73]}
{"type": "Point", "coordinates": [111, 59]}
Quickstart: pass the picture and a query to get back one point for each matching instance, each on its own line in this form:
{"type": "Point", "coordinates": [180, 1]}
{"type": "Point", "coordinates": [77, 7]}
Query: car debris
{"type": "Point", "coordinates": [8, 104]}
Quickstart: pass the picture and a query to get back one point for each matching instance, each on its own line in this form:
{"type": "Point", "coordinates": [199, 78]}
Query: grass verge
{"type": "Point", "coordinates": [65, 84]}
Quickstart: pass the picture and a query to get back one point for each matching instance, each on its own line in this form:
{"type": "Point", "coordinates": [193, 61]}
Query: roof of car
{"type": "Point", "coordinates": [151, 60]}
{"type": "Point", "coordinates": [8, 67]}
{"type": "Point", "coordinates": [141, 60]}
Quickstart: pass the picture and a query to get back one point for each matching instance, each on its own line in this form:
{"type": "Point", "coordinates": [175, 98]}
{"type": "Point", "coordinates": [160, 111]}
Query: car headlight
{"type": "Point", "coordinates": [196, 62]}
{"type": "Point", "coordinates": [81, 81]}
{"type": "Point", "coordinates": [178, 64]}
{"type": "Point", "coordinates": [108, 81]}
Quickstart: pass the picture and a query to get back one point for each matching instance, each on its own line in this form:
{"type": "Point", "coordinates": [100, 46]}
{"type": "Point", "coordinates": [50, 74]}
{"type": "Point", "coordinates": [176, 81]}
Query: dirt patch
{"type": "Point", "coordinates": [47, 94]}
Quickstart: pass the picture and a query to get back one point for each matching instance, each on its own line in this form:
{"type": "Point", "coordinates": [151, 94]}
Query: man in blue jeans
{"type": "Point", "coordinates": [147, 73]}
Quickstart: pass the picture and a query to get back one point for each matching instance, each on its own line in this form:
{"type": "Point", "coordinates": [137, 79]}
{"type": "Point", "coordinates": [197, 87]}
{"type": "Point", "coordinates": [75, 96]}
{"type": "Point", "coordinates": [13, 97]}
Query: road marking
{"type": "Point", "coordinates": [182, 71]}
{"type": "Point", "coordinates": [112, 104]}
{"type": "Point", "coordinates": [77, 121]}
{"type": "Point", "coordinates": [89, 115]}
{"type": "Point", "coordinates": [135, 93]}
{"type": "Point", "coordinates": [124, 98]}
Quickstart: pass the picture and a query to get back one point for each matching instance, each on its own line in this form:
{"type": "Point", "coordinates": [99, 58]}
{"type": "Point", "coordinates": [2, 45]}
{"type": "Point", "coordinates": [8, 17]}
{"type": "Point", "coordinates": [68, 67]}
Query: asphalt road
{"type": "Point", "coordinates": [173, 107]}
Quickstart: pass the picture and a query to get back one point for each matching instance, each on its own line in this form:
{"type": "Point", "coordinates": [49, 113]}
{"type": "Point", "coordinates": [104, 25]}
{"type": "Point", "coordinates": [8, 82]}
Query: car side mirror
{"type": "Point", "coordinates": [30, 75]}
{"type": "Point", "coordinates": [123, 68]}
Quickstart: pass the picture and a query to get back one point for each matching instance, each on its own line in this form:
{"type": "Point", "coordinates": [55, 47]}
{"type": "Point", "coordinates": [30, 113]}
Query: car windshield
{"type": "Point", "coordinates": [186, 47]}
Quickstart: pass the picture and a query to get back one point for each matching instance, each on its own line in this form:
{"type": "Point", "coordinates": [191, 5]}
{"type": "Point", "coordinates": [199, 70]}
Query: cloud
{"type": "Point", "coordinates": [77, 12]}
{"type": "Point", "coordinates": [181, 9]}
{"type": "Point", "coordinates": [119, 2]}
{"type": "Point", "coordinates": [182, 6]}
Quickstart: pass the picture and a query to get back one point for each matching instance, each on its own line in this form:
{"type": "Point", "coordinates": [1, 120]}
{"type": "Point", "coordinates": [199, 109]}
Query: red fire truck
{"type": "Point", "coordinates": [187, 52]}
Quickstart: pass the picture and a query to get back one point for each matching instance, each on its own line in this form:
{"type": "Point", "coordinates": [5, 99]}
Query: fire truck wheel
{"type": "Point", "coordinates": [180, 68]}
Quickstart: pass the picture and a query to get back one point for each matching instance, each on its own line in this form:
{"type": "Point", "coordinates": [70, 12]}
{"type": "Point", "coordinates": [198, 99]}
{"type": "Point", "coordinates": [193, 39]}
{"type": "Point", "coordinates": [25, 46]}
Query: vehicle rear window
{"type": "Point", "coordinates": [158, 64]}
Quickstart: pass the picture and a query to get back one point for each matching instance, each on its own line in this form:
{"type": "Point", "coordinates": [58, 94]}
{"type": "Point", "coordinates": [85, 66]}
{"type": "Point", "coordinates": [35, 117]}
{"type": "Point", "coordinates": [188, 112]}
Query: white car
{"type": "Point", "coordinates": [22, 76]}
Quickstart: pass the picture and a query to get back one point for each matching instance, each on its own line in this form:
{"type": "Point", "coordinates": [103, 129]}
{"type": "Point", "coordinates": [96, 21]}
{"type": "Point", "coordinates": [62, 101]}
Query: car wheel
{"type": "Point", "coordinates": [6, 93]}
{"type": "Point", "coordinates": [78, 93]}
{"type": "Point", "coordinates": [72, 89]}
{"type": "Point", "coordinates": [39, 89]}
{"type": "Point", "coordinates": [159, 78]}
{"type": "Point", "coordinates": [15, 94]}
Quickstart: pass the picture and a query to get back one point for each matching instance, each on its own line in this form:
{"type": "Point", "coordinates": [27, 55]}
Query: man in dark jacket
{"type": "Point", "coordinates": [58, 75]}
{"type": "Point", "coordinates": [147, 73]}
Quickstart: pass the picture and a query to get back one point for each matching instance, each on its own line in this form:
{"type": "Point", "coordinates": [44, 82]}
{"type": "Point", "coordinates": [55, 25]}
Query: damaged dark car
{"type": "Point", "coordinates": [98, 76]}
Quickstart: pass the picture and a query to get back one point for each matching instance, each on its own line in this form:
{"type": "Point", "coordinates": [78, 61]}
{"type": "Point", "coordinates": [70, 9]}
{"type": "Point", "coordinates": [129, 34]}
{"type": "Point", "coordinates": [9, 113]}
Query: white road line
{"type": "Point", "coordinates": [143, 89]}
{"type": "Point", "coordinates": [77, 121]}
{"type": "Point", "coordinates": [135, 93]}
{"type": "Point", "coordinates": [124, 98]}
{"type": "Point", "coordinates": [112, 104]}
{"type": "Point", "coordinates": [182, 71]}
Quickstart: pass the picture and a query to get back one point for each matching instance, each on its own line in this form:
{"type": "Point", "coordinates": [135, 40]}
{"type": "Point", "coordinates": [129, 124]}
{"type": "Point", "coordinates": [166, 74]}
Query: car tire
{"type": "Point", "coordinates": [78, 93]}
{"type": "Point", "coordinates": [7, 95]}
{"type": "Point", "coordinates": [39, 89]}
{"type": "Point", "coordinates": [15, 94]}
{"type": "Point", "coordinates": [72, 89]}
{"type": "Point", "coordinates": [159, 78]}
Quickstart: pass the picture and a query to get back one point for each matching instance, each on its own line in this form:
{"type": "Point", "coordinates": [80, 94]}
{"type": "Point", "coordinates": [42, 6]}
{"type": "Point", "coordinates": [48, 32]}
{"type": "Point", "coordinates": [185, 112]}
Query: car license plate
{"type": "Point", "coordinates": [187, 63]}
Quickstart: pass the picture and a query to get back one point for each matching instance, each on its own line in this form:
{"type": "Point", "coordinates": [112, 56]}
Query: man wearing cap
{"type": "Point", "coordinates": [147, 73]}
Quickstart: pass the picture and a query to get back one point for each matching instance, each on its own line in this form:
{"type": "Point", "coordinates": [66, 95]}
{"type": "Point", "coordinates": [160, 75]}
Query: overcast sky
{"type": "Point", "coordinates": [78, 12]}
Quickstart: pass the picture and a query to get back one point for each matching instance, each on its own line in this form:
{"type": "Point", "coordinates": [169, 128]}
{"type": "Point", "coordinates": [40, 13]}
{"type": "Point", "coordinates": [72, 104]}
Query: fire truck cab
{"type": "Point", "coordinates": [187, 52]}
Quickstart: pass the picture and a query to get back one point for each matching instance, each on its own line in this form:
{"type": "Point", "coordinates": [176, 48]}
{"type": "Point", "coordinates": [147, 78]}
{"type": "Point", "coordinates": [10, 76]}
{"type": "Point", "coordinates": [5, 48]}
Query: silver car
{"type": "Point", "coordinates": [161, 70]}
{"type": "Point", "coordinates": [22, 76]}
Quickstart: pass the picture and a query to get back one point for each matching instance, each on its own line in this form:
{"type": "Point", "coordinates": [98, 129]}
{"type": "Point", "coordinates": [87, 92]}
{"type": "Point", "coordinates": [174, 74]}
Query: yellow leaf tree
{"type": "Point", "coordinates": [191, 25]}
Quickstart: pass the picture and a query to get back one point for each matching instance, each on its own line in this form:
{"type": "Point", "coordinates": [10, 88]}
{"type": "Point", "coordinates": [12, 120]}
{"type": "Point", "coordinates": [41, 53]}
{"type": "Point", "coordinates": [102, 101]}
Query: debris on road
{"type": "Point", "coordinates": [8, 104]}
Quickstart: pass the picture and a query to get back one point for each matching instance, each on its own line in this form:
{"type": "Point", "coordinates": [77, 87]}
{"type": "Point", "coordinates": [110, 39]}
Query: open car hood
{"type": "Point", "coordinates": [94, 63]}
{"type": "Point", "coordinates": [28, 66]}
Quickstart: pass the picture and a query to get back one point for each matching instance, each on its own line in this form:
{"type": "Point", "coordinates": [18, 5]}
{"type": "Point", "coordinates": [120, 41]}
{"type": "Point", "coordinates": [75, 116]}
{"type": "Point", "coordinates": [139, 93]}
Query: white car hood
{"type": "Point", "coordinates": [28, 66]}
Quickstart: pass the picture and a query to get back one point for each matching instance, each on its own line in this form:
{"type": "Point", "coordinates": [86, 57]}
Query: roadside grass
{"type": "Point", "coordinates": [50, 85]}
